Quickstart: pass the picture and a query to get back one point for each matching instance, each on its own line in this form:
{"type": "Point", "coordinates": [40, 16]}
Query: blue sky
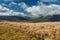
{"type": "Point", "coordinates": [30, 2]}
{"type": "Point", "coordinates": [30, 8]}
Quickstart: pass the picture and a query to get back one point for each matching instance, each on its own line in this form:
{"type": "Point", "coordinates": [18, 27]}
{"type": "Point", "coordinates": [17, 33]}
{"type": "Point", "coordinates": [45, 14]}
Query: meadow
{"type": "Point", "coordinates": [29, 31]}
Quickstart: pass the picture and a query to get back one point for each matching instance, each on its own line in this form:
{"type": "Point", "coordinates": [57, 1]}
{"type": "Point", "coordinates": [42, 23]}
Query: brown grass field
{"type": "Point", "coordinates": [29, 31]}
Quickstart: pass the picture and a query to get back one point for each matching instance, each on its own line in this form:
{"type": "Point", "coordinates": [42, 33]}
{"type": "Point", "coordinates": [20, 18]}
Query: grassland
{"type": "Point", "coordinates": [29, 31]}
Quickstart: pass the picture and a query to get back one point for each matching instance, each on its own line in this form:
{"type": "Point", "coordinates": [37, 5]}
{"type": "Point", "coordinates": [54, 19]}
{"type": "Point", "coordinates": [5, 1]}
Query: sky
{"type": "Point", "coordinates": [29, 8]}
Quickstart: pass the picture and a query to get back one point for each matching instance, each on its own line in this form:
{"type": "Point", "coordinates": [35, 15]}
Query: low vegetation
{"type": "Point", "coordinates": [29, 31]}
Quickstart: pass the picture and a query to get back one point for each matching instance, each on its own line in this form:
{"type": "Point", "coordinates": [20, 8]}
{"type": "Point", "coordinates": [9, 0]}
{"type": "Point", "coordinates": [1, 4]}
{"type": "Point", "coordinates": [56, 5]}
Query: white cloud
{"type": "Point", "coordinates": [12, 0]}
{"type": "Point", "coordinates": [23, 5]}
{"type": "Point", "coordinates": [44, 10]}
{"type": "Point", "coordinates": [13, 3]}
{"type": "Point", "coordinates": [36, 11]}
{"type": "Point", "coordinates": [10, 4]}
{"type": "Point", "coordinates": [6, 0]}
{"type": "Point", "coordinates": [49, 0]}
{"type": "Point", "coordinates": [8, 12]}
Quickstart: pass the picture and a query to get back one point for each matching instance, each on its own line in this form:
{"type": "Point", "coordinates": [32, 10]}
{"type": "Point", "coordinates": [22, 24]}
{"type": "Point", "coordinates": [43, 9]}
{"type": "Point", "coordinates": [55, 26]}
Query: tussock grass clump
{"type": "Point", "coordinates": [29, 31]}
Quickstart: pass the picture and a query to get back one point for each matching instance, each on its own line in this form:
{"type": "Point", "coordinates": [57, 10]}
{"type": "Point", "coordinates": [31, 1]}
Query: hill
{"type": "Point", "coordinates": [49, 18]}
{"type": "Point", "coordinates": [14, 18]}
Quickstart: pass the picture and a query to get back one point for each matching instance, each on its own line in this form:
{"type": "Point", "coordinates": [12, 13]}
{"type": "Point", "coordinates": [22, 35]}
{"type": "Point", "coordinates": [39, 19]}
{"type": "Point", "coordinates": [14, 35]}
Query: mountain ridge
{"type": "Point", "coordinates": [49, 18]}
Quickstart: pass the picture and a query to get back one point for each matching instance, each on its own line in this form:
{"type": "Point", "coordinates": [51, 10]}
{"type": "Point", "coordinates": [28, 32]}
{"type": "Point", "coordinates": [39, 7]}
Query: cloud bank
{"type": "Point", "coordinates": [7, 12]}
{"type": "Point", "coordinates": [44, 10]}
{"type": "Point", "coordinates": [35, 10]}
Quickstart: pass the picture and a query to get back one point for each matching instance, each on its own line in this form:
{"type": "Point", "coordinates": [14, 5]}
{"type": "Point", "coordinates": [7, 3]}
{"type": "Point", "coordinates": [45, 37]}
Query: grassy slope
{"type": "Point", "coordinates": [29, 31]}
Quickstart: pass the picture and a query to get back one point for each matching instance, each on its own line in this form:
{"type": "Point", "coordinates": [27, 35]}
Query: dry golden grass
{"type": "Point", "coordinates": [29, 31]}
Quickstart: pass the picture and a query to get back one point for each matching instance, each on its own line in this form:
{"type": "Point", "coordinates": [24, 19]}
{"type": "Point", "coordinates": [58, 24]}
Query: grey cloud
{"type": "Point", "coordinates": [49, 0]}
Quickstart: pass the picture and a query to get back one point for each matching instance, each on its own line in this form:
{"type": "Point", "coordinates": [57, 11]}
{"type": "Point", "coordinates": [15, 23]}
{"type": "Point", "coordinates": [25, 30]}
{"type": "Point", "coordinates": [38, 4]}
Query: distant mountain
{"type": "Point", "coordinates": [13, 18]}
{"type": "Point", "coordinates": [48, 18]}
{"type": "Point", "coordinates": [55, 18]}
